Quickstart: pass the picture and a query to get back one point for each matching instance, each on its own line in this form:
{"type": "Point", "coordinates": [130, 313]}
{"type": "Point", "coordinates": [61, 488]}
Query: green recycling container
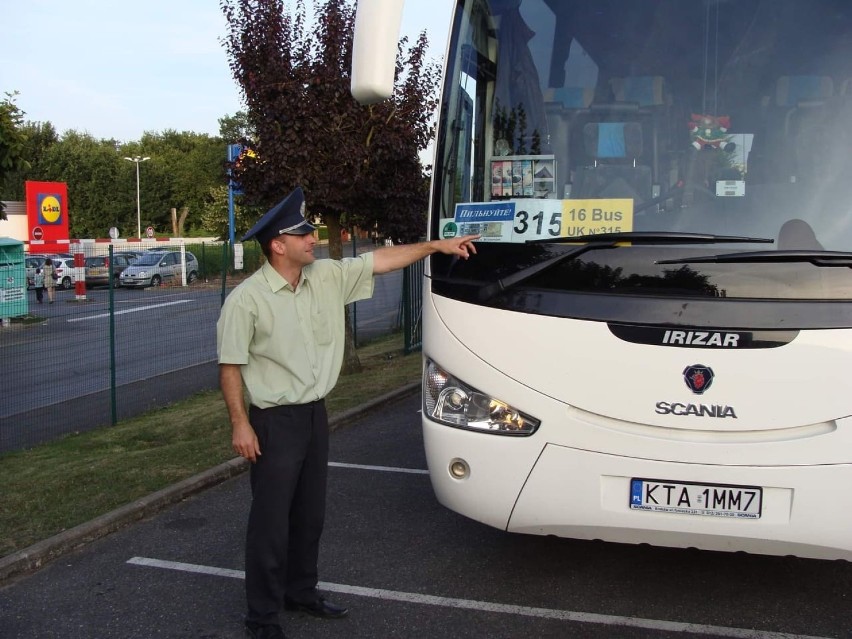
{"type": "Point", "coordinates": [13, 279]}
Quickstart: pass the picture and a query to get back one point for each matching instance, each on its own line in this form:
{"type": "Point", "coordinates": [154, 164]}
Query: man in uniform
{"type": "Point", "coordinates": [281, 334]}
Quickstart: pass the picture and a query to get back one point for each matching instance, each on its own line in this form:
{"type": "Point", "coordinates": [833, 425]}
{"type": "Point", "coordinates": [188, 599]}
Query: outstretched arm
{"type": "Point", "coordinates": [392, 258]}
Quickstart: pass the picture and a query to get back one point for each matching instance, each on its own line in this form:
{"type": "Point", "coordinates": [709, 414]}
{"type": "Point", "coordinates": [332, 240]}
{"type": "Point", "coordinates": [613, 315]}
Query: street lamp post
{"type": "Point", "coordinates": [137, 159]}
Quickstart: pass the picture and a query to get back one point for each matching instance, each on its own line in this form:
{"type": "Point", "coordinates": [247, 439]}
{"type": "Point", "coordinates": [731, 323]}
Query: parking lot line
{"type": "Point", "coordinates": [127, 310]}
{"type": "Point", "coordinates": [658, 625]}
{"type": "Point", "coordinates": [384, 469]}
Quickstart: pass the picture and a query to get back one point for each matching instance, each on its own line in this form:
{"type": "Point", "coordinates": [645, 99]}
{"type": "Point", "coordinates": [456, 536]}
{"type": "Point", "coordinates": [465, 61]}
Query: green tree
{"type": "Point", "coordinates": [39, 138]}
{"type": "Point", "coordinates": [182, 169]}
{"type": "Point", "coordinates": [236, 128]}
{"type": "Point", "coordinates": [91, 169]}
{"type": "Point", "coordinates": [184, 166]}
{"type": "Point", "coordinates": [12, 141]}
{"type": "Point", "coordinates": [214, 216]}
{"type": "Point", "coordinates": [183, 173]}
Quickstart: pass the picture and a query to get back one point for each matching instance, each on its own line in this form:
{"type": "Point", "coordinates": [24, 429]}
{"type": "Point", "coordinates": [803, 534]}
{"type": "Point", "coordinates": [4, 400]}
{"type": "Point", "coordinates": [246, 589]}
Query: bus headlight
{"type": "Point", "coordinates": [452, 402]}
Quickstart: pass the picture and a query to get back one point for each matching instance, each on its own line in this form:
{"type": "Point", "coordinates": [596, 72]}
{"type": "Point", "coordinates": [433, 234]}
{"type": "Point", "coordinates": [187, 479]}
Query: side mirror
{"type": "Point", "coordinates": [374, 49]}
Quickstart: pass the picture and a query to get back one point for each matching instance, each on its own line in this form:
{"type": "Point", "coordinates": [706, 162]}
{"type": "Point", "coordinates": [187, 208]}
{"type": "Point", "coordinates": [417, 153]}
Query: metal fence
{"type": "Point", "coordinates": [100, 354]}
{"type": "Point", "coordinates": [412, 307]}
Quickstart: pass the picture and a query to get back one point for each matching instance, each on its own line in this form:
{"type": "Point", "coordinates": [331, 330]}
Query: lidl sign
{"type": "Point", "coordinates": [49, 208]}
{"type": "Point", "coordinates": [47, 215]}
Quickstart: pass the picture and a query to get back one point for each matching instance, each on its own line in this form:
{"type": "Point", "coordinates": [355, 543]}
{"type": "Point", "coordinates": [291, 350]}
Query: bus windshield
{"type": "Point", "coordinates": [692, 148]}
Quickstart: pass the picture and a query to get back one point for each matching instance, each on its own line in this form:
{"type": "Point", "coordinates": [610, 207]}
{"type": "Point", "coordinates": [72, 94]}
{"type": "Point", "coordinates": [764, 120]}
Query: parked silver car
{"type": "Point", "coordinates": [155, 267]}
{"type": "Point", "coordinates": [98, 267]}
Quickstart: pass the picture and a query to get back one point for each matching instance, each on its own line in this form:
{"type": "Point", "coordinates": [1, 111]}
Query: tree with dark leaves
{"type": "Point", "coordinates": [358, 165]}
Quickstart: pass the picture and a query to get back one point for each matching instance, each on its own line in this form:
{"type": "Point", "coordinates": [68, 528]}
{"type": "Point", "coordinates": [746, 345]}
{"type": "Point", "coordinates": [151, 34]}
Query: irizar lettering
{"type": "Point", "coordinates": [702, 338]}
{"type": "Point", "coordinates": [696, 410]}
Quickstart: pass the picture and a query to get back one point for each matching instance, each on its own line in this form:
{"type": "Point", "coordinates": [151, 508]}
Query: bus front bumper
{"type": "Point", "coordinates": [567, 492]}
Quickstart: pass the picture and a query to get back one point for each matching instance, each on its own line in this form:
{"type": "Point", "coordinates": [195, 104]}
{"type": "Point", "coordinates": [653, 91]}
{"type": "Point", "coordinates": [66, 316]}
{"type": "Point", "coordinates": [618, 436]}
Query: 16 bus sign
{"type": "Point", "coordinates": [590, 217]}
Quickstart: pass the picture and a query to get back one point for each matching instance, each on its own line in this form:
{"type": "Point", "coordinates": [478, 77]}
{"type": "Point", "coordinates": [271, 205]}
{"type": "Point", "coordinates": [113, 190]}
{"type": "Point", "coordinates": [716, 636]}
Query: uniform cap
{"type": "Point", "coordinates": [286, 217]}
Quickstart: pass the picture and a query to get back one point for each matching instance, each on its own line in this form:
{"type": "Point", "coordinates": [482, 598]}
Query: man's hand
{"type": "Point", "coordinates": [243, 438]}
{"type": "Point", "coordinates": [462, 246]}
{"type": "Point", "coordinates": [245, 442]}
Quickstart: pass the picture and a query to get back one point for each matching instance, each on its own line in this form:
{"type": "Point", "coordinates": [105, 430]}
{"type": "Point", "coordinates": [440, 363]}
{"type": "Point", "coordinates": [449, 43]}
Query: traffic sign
{"type": "Point", "coordinates": [38, 232]}
{"type": "Point", "coordinates": [149, 232]}
{"type": "Point", "coordinates": [234, 152]}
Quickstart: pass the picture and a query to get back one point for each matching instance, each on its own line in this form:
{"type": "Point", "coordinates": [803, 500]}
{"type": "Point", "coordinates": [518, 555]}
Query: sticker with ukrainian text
{"type": "Point", "coordinates": [492, 221]}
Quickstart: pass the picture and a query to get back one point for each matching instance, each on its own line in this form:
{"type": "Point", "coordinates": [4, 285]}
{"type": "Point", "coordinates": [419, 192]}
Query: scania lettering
{"type": "Point", "coordinates": [696, 410]}
{"type": "Point", "coordinates": [661, 300]}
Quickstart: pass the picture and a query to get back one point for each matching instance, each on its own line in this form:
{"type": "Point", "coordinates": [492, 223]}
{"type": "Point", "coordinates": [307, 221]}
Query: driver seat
{"type": "Point", "coordinates": [614, 149]}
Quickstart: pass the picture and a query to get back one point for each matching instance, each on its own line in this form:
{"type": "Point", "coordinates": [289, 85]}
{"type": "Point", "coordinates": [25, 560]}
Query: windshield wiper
{"type": "Point", "coordinates": [603, 241]}
{"type": "Point", "coordinates": [488, 291]}
{"type": "Point", "coordinates": [655, 237]}
{"type": "Point", "coordinates": [817, 258]}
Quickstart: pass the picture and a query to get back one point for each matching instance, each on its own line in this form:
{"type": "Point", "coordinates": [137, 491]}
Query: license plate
{"type": "Point", "coordinates": [715, 500]}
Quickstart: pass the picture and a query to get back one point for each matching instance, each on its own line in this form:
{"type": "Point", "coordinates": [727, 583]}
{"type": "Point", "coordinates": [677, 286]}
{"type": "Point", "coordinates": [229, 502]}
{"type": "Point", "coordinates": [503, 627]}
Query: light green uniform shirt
{"type": "Point", "coordinates": [289, 343]}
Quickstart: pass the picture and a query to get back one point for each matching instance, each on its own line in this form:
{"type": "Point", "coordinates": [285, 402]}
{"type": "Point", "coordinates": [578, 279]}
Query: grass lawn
{"type": "Point", "coordinates": [67, 482]}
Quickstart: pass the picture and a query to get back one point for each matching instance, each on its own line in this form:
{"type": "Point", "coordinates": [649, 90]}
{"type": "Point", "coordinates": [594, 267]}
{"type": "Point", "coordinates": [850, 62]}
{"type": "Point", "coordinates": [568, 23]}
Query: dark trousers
{"type": "Point", "coordinates": [288, 484]}
{"type": "Point", "coordinates": [39, 293]}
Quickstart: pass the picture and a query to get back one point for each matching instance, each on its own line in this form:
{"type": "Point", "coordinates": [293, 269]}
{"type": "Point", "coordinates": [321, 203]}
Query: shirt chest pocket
{"type": "Point", "coordinates": [321, 327]}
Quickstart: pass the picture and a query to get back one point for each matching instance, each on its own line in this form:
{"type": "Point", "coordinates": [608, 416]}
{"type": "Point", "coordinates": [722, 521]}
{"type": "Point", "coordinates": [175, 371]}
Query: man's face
{"type": "Point", "coordinates": [298, 249]}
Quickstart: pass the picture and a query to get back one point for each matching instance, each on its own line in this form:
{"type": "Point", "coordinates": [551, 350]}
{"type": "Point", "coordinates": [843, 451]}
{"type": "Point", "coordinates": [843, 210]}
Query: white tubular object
{"type": "Point", "coordinates": [377, 24]}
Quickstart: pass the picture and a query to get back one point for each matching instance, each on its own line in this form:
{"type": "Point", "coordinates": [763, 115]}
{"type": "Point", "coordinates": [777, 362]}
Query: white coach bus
{"type": "Point", "coordinates": [654, 341]}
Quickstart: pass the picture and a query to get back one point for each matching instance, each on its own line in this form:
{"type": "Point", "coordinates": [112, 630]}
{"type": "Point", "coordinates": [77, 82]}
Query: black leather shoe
{"type": "Point", "coordinates": [264, 631]}
{"type": "Point", "coordinates": [318, 608]}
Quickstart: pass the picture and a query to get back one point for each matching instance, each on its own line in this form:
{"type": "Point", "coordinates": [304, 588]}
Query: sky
{"type": "Point", "coordinates": [116, 69]}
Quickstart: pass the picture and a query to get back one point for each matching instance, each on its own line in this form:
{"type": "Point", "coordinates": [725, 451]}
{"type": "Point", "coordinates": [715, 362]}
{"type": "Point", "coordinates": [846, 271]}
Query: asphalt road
{"type": "Point", "coordinates": [409, 568]}
{"type": "Point", "coordinates": [58, 376]}
{"type": "Point", "coordinates": [156, 331]}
